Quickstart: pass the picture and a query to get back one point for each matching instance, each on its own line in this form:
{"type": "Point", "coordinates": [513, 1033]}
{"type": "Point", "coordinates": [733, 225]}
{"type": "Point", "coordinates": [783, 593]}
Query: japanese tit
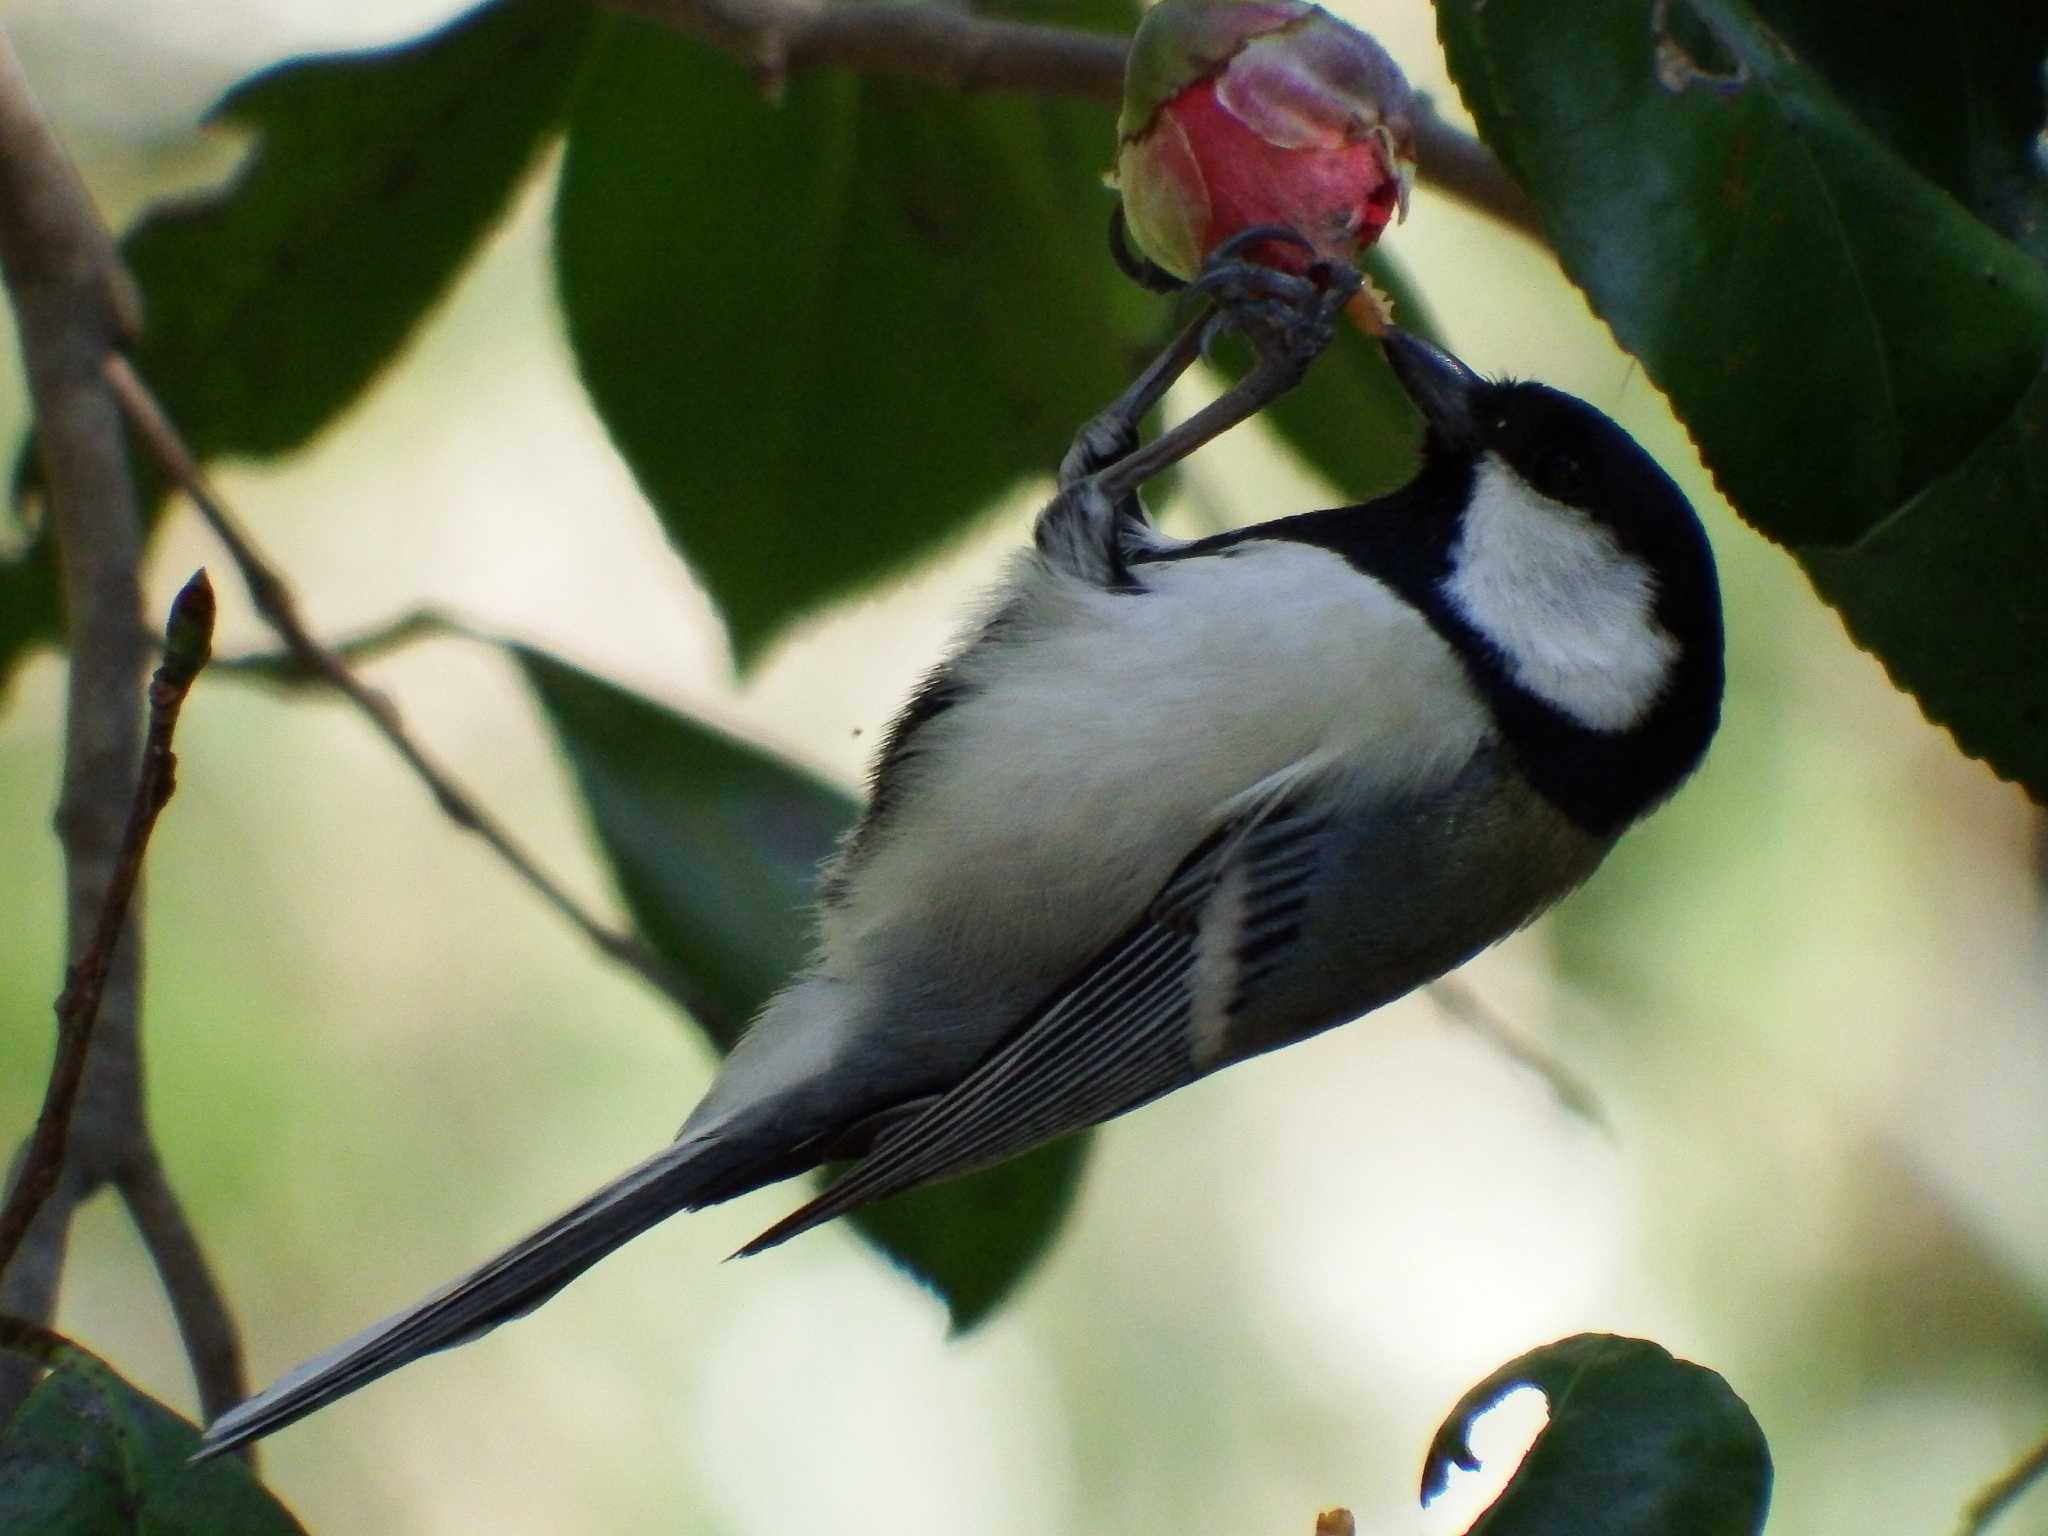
{"type": "Point", "coordinates": [1173, 804]}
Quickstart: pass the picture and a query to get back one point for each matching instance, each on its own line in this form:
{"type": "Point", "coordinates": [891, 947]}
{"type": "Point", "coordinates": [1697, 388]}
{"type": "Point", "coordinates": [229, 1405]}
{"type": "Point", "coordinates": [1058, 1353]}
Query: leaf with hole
{"type": "Point", "coordinates": [1638, 1444]}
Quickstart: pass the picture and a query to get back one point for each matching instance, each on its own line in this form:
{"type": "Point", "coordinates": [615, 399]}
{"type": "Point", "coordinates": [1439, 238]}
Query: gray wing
{"type": "Point", "coordinates": [1117, 1035]}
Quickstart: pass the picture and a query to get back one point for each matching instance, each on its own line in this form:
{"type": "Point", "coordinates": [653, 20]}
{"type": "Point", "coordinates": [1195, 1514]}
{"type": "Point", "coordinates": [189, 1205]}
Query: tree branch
{"type": "Point", "coordinates": [964, 52]}
{"type": "Point", "coordinates": [73, 303]}
{"type": "Point", "coordinates": [1457, 1000]}
{"type": "Point", "coordinates": [189, 643]}
{"type": "Point", "coordinates": [274, 599]}
{"type": "Point", "coordinates": [2003, 1494]}
{"type": "Point", "coordinates": [76, 305]}
{"type": "Point", "coordinates": [212, 1346]}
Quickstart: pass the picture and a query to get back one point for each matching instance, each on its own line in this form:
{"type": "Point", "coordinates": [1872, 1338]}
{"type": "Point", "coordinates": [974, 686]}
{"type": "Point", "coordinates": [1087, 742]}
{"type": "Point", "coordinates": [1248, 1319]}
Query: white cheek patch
{"type": "Point", "coordinates": [1570, 610]}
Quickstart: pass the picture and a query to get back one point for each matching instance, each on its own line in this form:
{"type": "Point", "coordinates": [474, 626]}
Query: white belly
{"type": "Point", "coordinates": [1104, 734]}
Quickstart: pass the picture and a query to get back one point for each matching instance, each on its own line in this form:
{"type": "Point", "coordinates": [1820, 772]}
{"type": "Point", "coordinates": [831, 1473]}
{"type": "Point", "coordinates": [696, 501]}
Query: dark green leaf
{"type": "Point", "coordinates": [273, 304]}
{"type": "Point", "coordinates": [714, 844]}
{"type": "Point", "coordinates": [1349, 419]}
{"type": "Point", "coordinates": [824, 333]}
{"type": "Point", "coordinates": [1638, 1444]}
{"type": "Point", "coordinates": [1955, 603]}
{"type": "Point", "coordinates": [974, 1239]}
{"type": "Point", "coordinates": [31, 609]}
{"type": "Point", "coordinates": [1956, 90]}
{"type": "Point", "coordinates": [1853, 351]}
{"type": "Point", "coordinates": [270, 305]}
{"type": "Point", "coordinates": [89, 1455]}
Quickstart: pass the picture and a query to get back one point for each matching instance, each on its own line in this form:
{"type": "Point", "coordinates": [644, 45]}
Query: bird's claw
{"type": "Point", "coordinates": [1101, 441]}
{"type": "Point", "coordinates": [1288, 317]}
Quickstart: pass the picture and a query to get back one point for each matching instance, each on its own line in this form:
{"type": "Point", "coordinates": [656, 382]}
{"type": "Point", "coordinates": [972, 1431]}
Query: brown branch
{"type": "Point", "coordinates": [18, 1335]}
{"type": "Point", "coordinates": [190, 641]}
{"type": "Point", "coordinates": [212, 1346]}
{"type": "Point", "coordinates": [275, 601]}
{"type": "Point", "coordinates": [75, 305]}
{"type": "Point", "coordinates": [1457, 1000]}
{"type": "Point", "coordinates": [964, 52]}
{"type": "Point", "coordinates": [73, 302]}
{"type": "Point", "coordinates": [2004, 1493]}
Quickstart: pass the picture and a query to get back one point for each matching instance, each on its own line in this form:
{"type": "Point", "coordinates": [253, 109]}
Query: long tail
{"type": "Point", "coordinates": [515, 1282]}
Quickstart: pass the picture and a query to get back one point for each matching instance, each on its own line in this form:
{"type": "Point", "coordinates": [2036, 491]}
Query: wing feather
{"type": "Point", "coordinates": [1119, 1034]}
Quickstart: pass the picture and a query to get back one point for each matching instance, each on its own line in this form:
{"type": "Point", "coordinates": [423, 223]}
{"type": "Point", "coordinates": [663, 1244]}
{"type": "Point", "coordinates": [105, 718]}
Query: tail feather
{"type": "Point", "coordinates": [515, 1282]}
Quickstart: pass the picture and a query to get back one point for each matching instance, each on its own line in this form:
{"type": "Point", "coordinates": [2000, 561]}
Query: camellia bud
{"type": "Point", "coordinates": [1246, 112]}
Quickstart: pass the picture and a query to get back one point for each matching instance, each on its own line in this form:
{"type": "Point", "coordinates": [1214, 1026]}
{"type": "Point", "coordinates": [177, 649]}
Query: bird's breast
{"type": "Point", "coordinates": [1099, 736]}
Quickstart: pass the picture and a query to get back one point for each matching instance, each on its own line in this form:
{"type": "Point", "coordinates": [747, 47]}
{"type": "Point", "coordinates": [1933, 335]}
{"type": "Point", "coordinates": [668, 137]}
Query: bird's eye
{"type": "Point", "coordinates": [1560, 476]}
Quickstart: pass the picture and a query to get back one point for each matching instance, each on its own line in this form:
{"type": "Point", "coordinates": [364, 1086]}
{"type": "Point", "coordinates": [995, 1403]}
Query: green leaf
{"type": "Point", "coordinates": [1638, 1444]}
{"type": "Point", "coordinates": [974, 1239]}
{"type": "Point", "coordinates": [271, 304]}
{"type": "Point", "coordinates": [1349, 418]}
{"type": "Point", "coordinates": [826, 332]}
{"type": "Point", "coordinates": [1954, 89]}
{"type": "Point", "coordinates": [88, 1454]}
{"type": "Point", "coordinates": [715, 844]}
{"type": "Point", "coordinates": [31, 607]}
{"type": "Point", "coordinates": [1851, 348]}
{"type": "Point", "coordinates": [1955, 603]}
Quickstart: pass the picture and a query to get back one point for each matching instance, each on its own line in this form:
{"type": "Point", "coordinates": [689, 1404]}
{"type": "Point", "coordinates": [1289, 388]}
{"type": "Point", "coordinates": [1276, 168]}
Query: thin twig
{"type": "Point", "coordinates": [288, 671]}
{"type": "Point", "coordinates": [2003, 1494]}
{"type": "Point", "coordinates": [189, 641]}
{"type": "Point", "coordinates": [964, 52]}
{"type": "Point", "coordinates": [1459, 1002]}
{"type": "Point", "coordinates": [212, 1346]}
{"type": "Point", "coordinates": [275, 601]}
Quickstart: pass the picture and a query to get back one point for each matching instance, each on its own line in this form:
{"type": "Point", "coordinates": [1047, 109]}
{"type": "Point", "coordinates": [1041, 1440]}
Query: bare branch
{"type": "Point", "coordinates": [74, 303]}
{"type": "Point", "coordinates": [2004, 1493]}
{"type": "Point", "coordinates": [964, 52]}
{"type": "Point", "coordinates": [274, 599]}
{"type": "Point", "coordinates": [211, 1343]}
{"type": "Point", "coordinates": [190, 642]}
{"type": "Point", "coordinates": [1460, 1003]}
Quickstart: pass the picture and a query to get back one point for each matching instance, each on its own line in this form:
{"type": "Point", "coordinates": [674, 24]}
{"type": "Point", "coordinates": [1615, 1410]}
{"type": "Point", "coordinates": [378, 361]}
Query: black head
{"type": "Point", "coordinates": [1573, 576]}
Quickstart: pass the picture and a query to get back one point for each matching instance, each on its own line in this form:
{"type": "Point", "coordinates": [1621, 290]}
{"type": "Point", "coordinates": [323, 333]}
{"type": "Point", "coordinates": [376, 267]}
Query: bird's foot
{"type": "Point", "coordinates": [1288, 317]}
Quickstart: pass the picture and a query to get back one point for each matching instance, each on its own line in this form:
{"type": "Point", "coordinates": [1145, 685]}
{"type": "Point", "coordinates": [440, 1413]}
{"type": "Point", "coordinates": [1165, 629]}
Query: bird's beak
{"type": "Point", "coordinates": [1443, 388]}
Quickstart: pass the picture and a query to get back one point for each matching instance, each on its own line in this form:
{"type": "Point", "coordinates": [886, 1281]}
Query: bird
{"type": "Point", "coordinates": [1172, 803]}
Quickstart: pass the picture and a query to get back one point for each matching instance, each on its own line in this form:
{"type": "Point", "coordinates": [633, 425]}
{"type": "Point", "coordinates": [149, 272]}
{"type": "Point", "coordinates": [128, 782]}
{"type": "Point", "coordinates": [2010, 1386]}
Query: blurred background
{"type": "Point", "coordinates": [1808, 999]}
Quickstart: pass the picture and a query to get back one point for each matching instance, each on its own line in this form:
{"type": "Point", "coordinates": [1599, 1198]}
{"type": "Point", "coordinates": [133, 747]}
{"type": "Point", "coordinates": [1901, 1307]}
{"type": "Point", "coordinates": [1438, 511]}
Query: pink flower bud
{"type": "Point", "coordinates": [1246, 112]}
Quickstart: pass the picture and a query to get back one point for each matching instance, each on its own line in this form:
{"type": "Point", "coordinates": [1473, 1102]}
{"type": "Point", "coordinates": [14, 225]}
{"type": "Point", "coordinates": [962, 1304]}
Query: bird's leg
{"type": "Point", "coordinates": [1082, 529]}
{"type": "Point", "coordinates": [1247, 297]}
{"type": "Point", "coordinates": [1287, 318]}
{"type": "Point", "coordinates": [1112, 433]}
